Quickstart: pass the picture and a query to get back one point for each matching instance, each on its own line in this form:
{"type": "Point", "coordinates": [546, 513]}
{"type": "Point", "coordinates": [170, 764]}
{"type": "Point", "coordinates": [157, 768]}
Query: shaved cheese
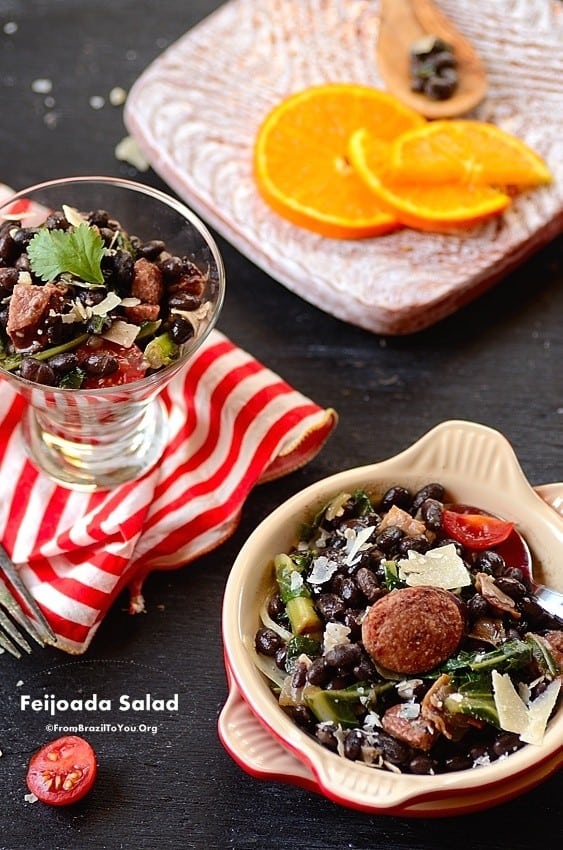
{"type": "Point", "coordinates": [512, 712]}
{"type": "Point", "coordinates": [335, 635]}
{"type": "Point", "coordinates": [441, 567]}
{"type": "Point", "coordinates": [111, 301]}
{"type": "Point", "coordinates": [122, 333]}
{"type": "Point", "coordinates": [539, 713]}
{"type": "Point", "coordinates": [323, 570]}
{"type": "Point", "coordinates": [73, 216]}
{"type": "Point", "coordinates": [530, 722]}
{"type": "Point", "coordinates": [356, 542]}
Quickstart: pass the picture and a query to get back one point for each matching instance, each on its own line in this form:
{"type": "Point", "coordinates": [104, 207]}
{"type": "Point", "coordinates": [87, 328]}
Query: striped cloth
{"type": "Point", "coordinates": [238, 424]}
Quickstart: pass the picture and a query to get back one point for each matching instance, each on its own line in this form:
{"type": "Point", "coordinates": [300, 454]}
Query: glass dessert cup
{"type": "Point", "coordinates": [94, 439]}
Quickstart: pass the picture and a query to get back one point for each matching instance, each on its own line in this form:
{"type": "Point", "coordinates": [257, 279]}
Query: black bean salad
{"type": "Point", "coordinates": [84, 304]}
{"type": "Point", "coordinates": [403, 633]}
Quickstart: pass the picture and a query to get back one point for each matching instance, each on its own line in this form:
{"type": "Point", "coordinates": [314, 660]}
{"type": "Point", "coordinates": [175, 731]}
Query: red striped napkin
{"type": "Point", "coordinates": [232, 423]}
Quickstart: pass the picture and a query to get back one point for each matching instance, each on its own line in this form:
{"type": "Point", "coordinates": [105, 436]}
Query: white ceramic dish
{"type": "Point", "coordinates": [476, 465]}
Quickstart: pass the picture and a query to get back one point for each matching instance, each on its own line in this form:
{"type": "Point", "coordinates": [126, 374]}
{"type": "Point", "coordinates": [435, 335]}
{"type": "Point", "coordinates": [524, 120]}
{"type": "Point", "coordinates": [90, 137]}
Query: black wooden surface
{"type": "Point", "coordinates": [498, 362]}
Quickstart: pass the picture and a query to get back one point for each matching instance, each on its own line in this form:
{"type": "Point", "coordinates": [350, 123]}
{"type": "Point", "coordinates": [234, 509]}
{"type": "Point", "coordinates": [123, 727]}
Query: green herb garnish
{"type": "Point", "coordinates": [78, 252]}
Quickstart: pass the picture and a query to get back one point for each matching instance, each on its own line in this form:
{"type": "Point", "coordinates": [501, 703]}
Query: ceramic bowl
{"type": "Point", "coordinates": [477, 466]}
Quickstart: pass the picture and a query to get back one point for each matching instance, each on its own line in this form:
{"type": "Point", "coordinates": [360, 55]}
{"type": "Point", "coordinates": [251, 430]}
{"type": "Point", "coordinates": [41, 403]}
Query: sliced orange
{"type": "Point", "coordinates": [467, 151]}
{"type": "Point", "coordinates": [301, 163]}
{"type": "Point", "coordinates": [439, 207]}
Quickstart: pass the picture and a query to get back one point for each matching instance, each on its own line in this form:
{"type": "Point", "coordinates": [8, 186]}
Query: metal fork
{"type": "Point", "coordinates": [11, 638]}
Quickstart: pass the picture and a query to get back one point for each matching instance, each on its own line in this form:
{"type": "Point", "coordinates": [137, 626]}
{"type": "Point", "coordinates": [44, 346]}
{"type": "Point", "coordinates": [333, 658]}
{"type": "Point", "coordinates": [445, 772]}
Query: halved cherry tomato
{"type": "Point", "coordinates": [131, 365]}
{"type": "Point", "coordinates": [476, 530]}
{"type": "Point", "coordinates": [62, 771]}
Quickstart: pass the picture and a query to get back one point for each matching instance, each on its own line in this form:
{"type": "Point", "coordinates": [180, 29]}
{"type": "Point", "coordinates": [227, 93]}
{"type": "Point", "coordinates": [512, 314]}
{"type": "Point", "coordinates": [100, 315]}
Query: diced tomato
{"type": "Point", "coordinates": [132, 365]}
{"type": "Point", "coordinates": [476, 530]}
{"type": "Point", "coordinates": [62, 771]}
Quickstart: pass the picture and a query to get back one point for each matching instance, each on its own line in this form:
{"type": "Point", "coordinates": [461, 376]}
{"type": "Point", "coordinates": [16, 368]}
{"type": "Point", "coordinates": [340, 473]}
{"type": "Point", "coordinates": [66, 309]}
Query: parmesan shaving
{"type": "Point", "coordinates": [109, 303]}
{"type": "Point", "coordinates": [514, 716]}
{"type": "Point", "coordinates": [122, 333]}
{"type": "Point", "coordinates": [73, 216]}
{"type": "Point", "coordinates": [441, 567]}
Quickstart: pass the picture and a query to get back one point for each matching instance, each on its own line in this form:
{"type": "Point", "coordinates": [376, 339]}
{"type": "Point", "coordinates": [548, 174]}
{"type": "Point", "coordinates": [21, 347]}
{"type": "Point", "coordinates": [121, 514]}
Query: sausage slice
{"type": "Point", "coordinates": [414, 629]}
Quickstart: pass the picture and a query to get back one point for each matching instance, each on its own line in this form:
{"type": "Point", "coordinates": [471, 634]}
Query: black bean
{"type": "Point", "coordinates": [368, 584]}
{"type": "Point", "coordinates": [531, 608]}
{"type": "Point", "coordinates": [431, 513]}
{"type": "Point", "coordinates": [350, 594]}
{"type": "Point", "coordinates": [100, 364]}
{"type": "Point", "coordinates": [353, 619]}
{"type": "Point", "coordinates": [457, 762]}
{"type": "Point", "coordinates": [353, 744]}
{"type": "Point", "coordinates": [100, 218]}
{"type": "Point", "coordinates": [506, 743]}
{"type": "Point", "coordinates": [56, 221]}
{"type": "Point", "coordinates": [477, 607]}
{"type": "Point", "coordinates": [421, 764]}
{"type": "Point", "coordinates": [518, 575]}
{"type": "Point", "coordinates": [394, 751]}
{"type": "Point", "coordinates": [398, 496]}
{"type": "Point", "coordinates": [151, 250]}
{"type": "Point", "coordinates": [280, 657]}
{"type": "Point", "coordinates": [375, 557]}
{"type": "Point", "coordinates": [365, 669]}
{"type": "Point", "coordinates": [23, 263]}
{"type": "Point", "coordinates": [180, 329]}
{"type": "Point", "coordinates": [299, 675]}
{"type": "Point", "coordinates": [91, 297]}
{"type": "Point", "coordinates": [429, 491]}
{"type": "Point", "coordinates": [440, 87]}
{"type": "Point", "coordinates": [35, 370]}
{"type": "Point", "coordinates": [490, 562]}
{"type": "Point", "coordinates": [330, 606]}
{"type": "Point", "coordinates": [184, 301]}
{"type": "Point", "coordinates": [276, 606]}
{"type": "Point", "coordinates": [325, 735]}
{"type": "Point", "coordinates": [8, 249]}
{"type": "Point", "coordinates": [303, 717]}
{"type": "Point", "coordinates": [319, 673]}
{"type": "Point", "coordinates": [267, 642]}
{"type": "Point", "coordinates": [444, 59]}
{"type": "Point", "coordinates": [63, 363]}
{"type": "Point", "coordinates": [344, 656]}
{"type": "Point", "coordinates": [388, 539]}
{"type": "Point", "coordinates": [512, 588]}
{"type": "Point", "coordinates": [417, 543]}
{"type": "Point", "coordinates": [23, 236]}
{"type": "Point", "coordinates": [8, 278]}
{"type": "Point", "coordinates": [171, 267]}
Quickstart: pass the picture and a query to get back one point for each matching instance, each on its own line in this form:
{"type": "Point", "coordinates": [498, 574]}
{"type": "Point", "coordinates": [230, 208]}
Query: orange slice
{"type": "Point", "coordinates": [301, 162]}
{"type": "Point", "coordinates": [467, 151]}
{"type": "Point", "coordinates": [439, 207]}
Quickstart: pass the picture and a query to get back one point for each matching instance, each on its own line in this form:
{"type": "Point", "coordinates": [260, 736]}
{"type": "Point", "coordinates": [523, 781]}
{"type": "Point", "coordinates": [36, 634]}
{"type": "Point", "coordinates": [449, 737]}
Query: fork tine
{"type": "Point", "coordinates": [43, 626]}
{"type": "Point", "coordinates": [11, 605]}
{"type": "Point", "coordinates": [6, 644]}
{"type": "Point", "coordinates": [17, 638]}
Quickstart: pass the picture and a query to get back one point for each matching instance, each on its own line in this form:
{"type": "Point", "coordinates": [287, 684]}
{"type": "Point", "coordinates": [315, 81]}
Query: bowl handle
{"type": "Point", "coordinates": [255, 749]}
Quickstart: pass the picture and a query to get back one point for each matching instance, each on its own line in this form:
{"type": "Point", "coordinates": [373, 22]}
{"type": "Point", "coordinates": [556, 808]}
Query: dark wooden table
{"type": "Point", "coordinates": [498, 362]}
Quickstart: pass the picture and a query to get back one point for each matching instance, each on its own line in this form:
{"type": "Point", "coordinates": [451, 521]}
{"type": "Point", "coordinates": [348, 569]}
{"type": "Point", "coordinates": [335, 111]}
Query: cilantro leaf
{"type": "Point", "coordinates": [78, 252]}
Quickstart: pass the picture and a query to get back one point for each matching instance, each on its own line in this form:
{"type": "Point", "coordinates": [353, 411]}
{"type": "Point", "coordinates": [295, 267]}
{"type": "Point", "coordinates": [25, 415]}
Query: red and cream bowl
{"type": "Point", "coordinates": [477, 466]}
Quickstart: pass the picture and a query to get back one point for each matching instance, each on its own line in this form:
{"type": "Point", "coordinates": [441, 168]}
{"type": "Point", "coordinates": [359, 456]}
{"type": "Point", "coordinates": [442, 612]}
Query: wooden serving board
{"type": "Point", "coordinates": [196, 110]}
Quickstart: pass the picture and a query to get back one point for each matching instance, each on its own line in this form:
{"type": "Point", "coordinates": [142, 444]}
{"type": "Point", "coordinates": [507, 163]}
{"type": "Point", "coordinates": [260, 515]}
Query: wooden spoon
{"type": "Point", "coordinates": [402, 22]}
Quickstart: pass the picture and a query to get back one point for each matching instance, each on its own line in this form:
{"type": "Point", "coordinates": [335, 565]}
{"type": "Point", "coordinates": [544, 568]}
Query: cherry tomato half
{"type": "Point", "coordinates": [62, 771]}
{"type": "Point", "coordinates": [131, 365]}
{"type": "Point", "coordinates": [476, 530]}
